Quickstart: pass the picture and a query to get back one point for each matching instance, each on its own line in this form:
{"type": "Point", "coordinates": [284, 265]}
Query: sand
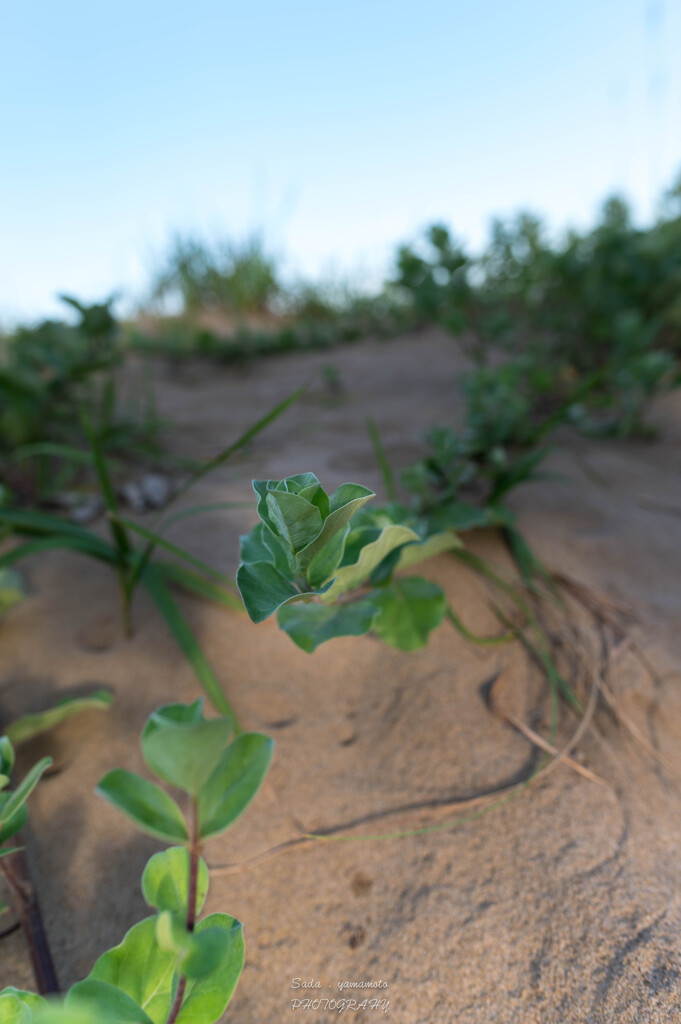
{"type": "Point", "coordinates": [560, 905]}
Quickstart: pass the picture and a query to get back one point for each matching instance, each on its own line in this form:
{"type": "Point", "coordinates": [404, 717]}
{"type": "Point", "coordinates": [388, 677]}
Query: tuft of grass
{"type": "Point", "coordinates": [134, 560]}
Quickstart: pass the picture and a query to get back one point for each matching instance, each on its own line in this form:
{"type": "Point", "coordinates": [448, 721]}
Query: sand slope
{"type": "Point", "coordinates": [561, 905]}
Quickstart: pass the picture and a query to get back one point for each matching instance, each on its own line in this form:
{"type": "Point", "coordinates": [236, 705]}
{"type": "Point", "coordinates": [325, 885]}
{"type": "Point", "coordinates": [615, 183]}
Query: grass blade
{"type": "Point", "coordinates": [27, 521]}
{"type": "Point", "coordinates": [197, 510]}
{"type": "Point", "coordinates": [196, 584]}
{"type": "Point", "coordinates": [156, 540]}
{"type": "Point", "coordinates": [212, 464]}
{"type": "Point", "coordinates": [29, 726]}
{"type": "Point", "coordinates": [118, 532]}
{"type": "Point", "coordinates": [481, 641]}
{"type": "Point", "coordinates": [187, 642]}
{"type": "Point", "coordinates": [102, 551]}
{"type": "Point", "coordinates": [240, 442]}
{"type": "Point", "coordinates": [53, 450]}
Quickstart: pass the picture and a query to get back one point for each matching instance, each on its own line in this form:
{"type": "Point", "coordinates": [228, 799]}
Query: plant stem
{"type": "Point", "coordinates": [177, 1002]}
{"type": "Point", "coordinates": [194, 856]}
{"type": "Point", "coordinates": [27, 908]}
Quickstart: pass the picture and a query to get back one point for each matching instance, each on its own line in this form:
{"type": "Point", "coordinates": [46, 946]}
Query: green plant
{"type": "Point", "coordinates": [598, 308]}
{"type": "Point", "coordinates": [45, 373]}
{"type": "Point", "coordinates": [135, 563]}
{"type": "Point", "coordinates": [465, 475]}
{"type": "Point", "coordinates": [328, 566]}
{"type": "Point", "coordinates": [172, 967]}
{"type": "Point", "coordinates": [235, 277]}
{"type": "Point", "coordinates": [434, 279]}
{"type": "Point", "coordinates": [13, 812]}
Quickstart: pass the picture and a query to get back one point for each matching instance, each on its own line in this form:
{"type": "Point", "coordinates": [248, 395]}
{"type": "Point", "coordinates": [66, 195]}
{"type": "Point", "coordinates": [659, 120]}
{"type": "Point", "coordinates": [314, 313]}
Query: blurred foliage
{"type": "Point", "coordinates": [507, 413]}
{"type": "Point", "coordinates": [234, 277]}
{"type": "Point", "coordinates": [584, 330]}
{"type": "Point", "coordinates": [601, 309]}
{"type": "Point", "coordinates": [49, 374]}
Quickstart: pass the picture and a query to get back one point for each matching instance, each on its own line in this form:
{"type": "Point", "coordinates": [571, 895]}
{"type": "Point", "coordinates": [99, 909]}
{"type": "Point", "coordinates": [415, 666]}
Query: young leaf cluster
{"type": "Point", "coordinates": [328, 566]}
{"type": "Point", "coordinates": [13, 810]}
{"type": "Point", "coordinates": [173, 966]}
{"type": "Point", "coordinates": [48, 371]}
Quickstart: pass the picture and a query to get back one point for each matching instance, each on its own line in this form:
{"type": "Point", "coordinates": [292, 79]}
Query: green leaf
{"type": "Point", "coordinates": [9, 828]}
{"type": "Point", "coordinates": [205, 953]}
{"type": "Point", "coordinates": [524, 557]}
{"type": "Point", "coordinates": [141, 969]}
{"type": "Point", "coordinates": [145, 803]}
{"type": "Point", "coordinates": [458, 515]}
{"type": "Point", "coordinates": [299, 482]}
{"type": "Point", "coordinates": [185, 639]}
{"type": "Point", "coordinates": [29, 726]}
{"type": "Point", "coordinates": [27, 521]}
{"type": "Point", "coordinates": [14, 1010]}
{"type": "Point", "coordinates": [310, 625]}
{"type": "Point", "coordinates": [387, 474]}
{"type": "Point", "coordinates": [324, 564]}
{"type": "Point", "coordinates": [343, 503]}
{"type": "Point", "coordinates": [17, 1006]}
{"type": "Point", "coordinates": [56, 451]}
{"type": "Point", "coordinates": [6, 755]}
{"type": "Point", "coordinates": [294, 518]}
{"type": "Point", "coordinates": [184, 753]}
{"type": "Point", "coordinates": [436, 544]}
{"type": "Point", "coordinates": [146, 973]}
{"type": "Point", "coordinates": [157, 540]}
{"type": "Point", "coordinates": [165, 882]}
{"type": "Point", "coordinates": [234, 782]}
{"type": "Point", "coordinates": [93, 548]}
{"type": "Point", "coordinates": [7, 851]}
{"type": "Point", "coordinates": [198, 953]}
{"type": "Point", "coordinates": [195, 584]}
{"type": "Point", "coordinates": [21, 794]}
{"type": "Point", "coordinates": [206, 998]}
{"type": "Point", "coordinates": [261, 545]}
{"type": "Point", "coordinates": [291, 485]}
{"type": "Point", "coordinates": [12, 589]}
{"type": "Point", "coordinates": [75, 1013]}
{"type": "Point", "coordinates": [237, 445]}
{"type": "Point", "coordinates": [264, 589]}
{"type": "Point", "coordinates": [252, 547]}
{"type": "Point", "coordinates": [372, 554]}
{"type": "Point", "coordinates": [409, 610]}
{"type": "Point", "coordinates": [106, 1002]}
{"type": "Point", "coordinates": [118, 532]}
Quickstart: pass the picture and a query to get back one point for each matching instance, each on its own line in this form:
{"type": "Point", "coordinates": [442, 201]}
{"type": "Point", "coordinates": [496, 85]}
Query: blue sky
{"type": "Point", "coordinates": [337, 129]}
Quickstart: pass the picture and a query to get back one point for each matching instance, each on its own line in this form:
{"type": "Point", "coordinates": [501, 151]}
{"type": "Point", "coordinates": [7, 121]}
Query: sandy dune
{"type": "Point", "coordinates": [561, 905]}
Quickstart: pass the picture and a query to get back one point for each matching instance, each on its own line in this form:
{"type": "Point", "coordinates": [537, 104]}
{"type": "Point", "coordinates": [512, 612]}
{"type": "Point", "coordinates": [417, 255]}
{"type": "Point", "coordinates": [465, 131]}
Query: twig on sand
{"type": "Point", "coordinates": [27, 908]}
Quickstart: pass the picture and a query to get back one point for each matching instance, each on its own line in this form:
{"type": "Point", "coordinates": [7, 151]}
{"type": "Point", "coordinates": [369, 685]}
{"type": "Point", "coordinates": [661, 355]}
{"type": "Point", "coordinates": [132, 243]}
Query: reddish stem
{"type": "Point", "coordinates": [27, 909]}
{"type": "Point", "coordinates": [194, 857]}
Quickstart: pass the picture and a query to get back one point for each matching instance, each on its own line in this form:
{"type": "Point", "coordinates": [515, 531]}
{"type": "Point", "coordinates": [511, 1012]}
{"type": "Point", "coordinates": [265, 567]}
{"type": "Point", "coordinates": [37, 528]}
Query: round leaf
{"type": "Point", "coordinates": [165, 882]}
{"type": "Point", "coordinates": [234, 782]}
{"type": "Point", "coordinates": [145, 803]}
{"type": "Point", "coordinates": [184, 753]}
{"type": "Point", "coordinates": [310, 625]}
{"type": "Point", "coordinates": [206, 998]}
{"type": "Point", "coordinates": [106, 1003]}
{"type": "Point", "coordinates": [409, 610]}
{"type": "Point", "coordinates": [141, 969]}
